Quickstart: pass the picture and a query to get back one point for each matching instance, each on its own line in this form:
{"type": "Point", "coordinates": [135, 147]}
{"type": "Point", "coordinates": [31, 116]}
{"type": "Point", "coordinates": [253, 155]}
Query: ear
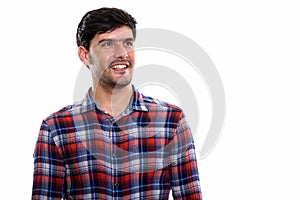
{"type": "Point", "coordinates": [83, 55]}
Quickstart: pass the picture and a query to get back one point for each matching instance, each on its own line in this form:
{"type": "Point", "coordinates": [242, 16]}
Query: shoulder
{"type": "Point", "coordinates": [168, 114]}
{"type": "Point", "coordinates": [65, 113]}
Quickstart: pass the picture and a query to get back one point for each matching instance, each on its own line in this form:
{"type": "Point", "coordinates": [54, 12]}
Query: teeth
{"type": "Point", "coordinates": [119, 66]}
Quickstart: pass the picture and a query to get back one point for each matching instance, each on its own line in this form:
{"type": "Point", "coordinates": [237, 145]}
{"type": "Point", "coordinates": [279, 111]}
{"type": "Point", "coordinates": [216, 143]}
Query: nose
{"type": "Point", "coordinates": [121, 52]}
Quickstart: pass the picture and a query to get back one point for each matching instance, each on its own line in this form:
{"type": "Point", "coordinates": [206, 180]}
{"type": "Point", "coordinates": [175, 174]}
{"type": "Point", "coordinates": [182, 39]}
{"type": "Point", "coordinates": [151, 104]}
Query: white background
{"type": "Point", "coordinates": [255, 46]}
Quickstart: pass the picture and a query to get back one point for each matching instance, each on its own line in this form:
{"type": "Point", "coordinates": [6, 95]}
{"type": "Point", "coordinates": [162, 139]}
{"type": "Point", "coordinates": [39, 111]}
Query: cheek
{"type": "Point", "coordinates": [131, 57]}
{"type": "Point", "coordinates": [101, 62]}
{"type": "Point", "coordinates": [98, 66]}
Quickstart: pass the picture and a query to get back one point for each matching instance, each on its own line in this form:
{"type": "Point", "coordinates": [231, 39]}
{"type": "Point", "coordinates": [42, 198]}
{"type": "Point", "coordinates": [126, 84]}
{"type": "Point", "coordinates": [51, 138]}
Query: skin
{"type": "Point", "coordinates": [111, 87]}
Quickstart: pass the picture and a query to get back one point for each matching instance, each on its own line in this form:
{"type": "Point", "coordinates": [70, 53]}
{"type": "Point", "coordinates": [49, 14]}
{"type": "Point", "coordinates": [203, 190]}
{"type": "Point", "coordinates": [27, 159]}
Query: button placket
{"type": "Point", "coordinates": [113, 156]}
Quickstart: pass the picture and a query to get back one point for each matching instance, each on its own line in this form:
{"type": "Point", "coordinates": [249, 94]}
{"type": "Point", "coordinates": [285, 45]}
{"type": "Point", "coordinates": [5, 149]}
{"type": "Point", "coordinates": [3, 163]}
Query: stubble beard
{"type": "Point", "coordinates": [108, 81]}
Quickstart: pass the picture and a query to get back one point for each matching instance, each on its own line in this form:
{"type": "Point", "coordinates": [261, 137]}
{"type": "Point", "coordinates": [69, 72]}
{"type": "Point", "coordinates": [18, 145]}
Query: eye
{"type": "Point", "coordinates": [128, 43]}
{"type": "Point", "coordinates": [107, 44]}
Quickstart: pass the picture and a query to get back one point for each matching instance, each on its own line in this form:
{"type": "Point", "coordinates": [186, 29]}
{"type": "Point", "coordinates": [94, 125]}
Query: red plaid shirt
{"type": "Point", "coordinates": [84, 153]}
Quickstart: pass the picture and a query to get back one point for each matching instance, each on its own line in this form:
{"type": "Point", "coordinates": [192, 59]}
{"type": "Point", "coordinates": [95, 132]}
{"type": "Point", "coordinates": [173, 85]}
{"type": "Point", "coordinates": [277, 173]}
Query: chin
{"type": "Point", "coordinates": [122, 84]}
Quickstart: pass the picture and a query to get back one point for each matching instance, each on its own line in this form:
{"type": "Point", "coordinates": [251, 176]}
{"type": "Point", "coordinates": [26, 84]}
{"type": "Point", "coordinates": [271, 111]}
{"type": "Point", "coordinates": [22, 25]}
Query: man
{"type": "Point", "coordinates": [116, 143]}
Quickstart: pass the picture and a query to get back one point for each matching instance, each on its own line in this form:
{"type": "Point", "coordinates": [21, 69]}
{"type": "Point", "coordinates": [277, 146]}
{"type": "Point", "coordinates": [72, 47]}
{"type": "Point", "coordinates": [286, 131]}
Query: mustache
{"type": "Point", "coordinates": [118, 62]}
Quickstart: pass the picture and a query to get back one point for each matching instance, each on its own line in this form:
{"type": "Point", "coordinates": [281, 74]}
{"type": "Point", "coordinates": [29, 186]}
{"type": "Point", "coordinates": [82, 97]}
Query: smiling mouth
{"type": "Point", "coordinates": [119, 65]}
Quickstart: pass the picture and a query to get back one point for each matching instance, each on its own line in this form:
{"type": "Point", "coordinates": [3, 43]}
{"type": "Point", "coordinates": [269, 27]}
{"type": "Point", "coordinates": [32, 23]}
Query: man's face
{"type": "Point", "coordinates": [111, 57]}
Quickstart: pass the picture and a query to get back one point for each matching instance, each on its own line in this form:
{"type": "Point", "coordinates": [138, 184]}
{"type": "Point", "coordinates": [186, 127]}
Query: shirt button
{"type": "Point", "coordinates": [114, 155]}
{"type": "Point", "coordinates": [116, 185]}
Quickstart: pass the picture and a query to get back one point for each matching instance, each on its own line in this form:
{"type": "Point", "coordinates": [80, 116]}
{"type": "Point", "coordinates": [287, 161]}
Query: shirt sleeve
{"type": "Point", "coordinates": [185, 181]}
{"type": "Point", "coordinates": [49, 169]}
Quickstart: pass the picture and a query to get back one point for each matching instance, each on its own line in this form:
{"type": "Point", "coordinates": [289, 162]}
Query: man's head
{"type": "Point", "coordinates": [101, 21]}
{"type": "Point", "coordinates": [105, 39]}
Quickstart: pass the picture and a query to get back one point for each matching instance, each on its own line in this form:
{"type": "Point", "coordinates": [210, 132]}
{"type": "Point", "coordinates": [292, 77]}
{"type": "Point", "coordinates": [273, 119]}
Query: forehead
{"type": "Point", "coordinates": [118, 33]}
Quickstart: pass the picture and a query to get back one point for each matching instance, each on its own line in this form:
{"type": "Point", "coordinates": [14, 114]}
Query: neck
{"type": "Point", "coordinates": [113, 100]}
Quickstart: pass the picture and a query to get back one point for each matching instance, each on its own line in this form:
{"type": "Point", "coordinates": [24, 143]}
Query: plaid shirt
{"type": "Point", "coordinates": [84, 153]}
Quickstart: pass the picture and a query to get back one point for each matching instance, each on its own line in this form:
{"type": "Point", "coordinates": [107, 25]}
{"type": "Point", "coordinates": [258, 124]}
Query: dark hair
{"type": "Point", "coordinates": [101, 21]}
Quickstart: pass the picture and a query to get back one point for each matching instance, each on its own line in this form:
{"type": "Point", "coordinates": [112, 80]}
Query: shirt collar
{"type": "Point", "coordinates": [136, 103]}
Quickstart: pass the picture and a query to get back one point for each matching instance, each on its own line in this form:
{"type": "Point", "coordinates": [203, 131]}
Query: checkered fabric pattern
{"type": "Point", "coordinates": [84, 153]}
